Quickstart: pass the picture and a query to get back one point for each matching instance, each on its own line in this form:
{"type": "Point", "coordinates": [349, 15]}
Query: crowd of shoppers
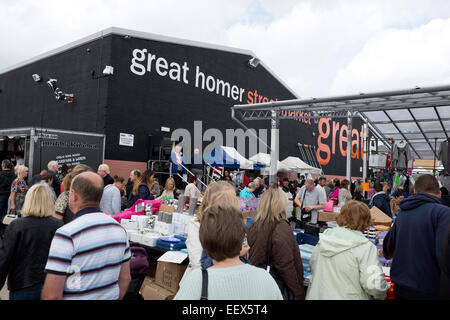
{"type": "Point", "coordinates": [58, 237]}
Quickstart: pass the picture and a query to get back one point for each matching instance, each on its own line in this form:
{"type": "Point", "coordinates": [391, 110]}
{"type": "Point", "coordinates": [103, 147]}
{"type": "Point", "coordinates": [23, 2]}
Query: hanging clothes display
{"type": "Point", "coordinates": [444, 180]}
{"type": "Point", "coordinates": [398, 181]}
{"type": "Point", "coordinates": [444, 155]}
{"type": "Point", "coordinates": [377, 160]}
{"type": "Point", "coordinates": [401, 155]}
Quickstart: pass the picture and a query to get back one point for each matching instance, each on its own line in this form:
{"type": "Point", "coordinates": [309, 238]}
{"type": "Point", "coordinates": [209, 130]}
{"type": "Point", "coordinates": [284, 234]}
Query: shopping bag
{"type": "Point", "coordinates": [329, 206]}
{"type": "Point", "coordinates": [10, 217]}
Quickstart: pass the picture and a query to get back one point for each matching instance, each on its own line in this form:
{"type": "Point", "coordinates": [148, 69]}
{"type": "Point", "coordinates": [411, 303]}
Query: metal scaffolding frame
{"type": "Point", "coordinates": [357, 105]}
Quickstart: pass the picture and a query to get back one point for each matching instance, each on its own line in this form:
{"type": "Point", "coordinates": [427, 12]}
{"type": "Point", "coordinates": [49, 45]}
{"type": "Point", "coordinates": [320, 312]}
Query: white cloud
{"type": "Point", "coordinates": [309, 41]}
{"type": "Point", "coordinates": [318, 47]}
{"type": "Point", "coordinates": [32, 27]}
{"type": "Point", "coordinates": [399, 59]}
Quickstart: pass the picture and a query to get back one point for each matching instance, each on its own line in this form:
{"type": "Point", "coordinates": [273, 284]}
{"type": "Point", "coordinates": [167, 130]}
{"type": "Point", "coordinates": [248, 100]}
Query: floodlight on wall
{"type": "Point", "coordinates": [253, 62]}
{"type": "Point", "coordinates": [127, 37]}
{"type": "Point", "coordinates": [36, 77]}
{"type": "Point", "coordinates": [108, 71]}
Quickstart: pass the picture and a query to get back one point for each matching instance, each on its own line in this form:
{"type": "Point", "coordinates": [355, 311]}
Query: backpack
{"type": "Point", "coordinates": [138, 269]}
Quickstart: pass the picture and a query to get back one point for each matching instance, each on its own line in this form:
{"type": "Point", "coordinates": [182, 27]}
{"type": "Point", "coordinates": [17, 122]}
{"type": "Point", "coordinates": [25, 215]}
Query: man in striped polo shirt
{"type": "Point", "coordinates": [89, 258]}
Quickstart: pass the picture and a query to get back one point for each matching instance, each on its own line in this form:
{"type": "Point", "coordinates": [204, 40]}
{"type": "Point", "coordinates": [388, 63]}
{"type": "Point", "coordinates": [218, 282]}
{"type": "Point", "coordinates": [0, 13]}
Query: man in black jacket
{"type": "Point", "coordinates": [445, 267]}
{"type": "Point", "coordinates": [445, 198]}
{"type": "Point", "coordinates": [53, 170]}
{"type": "Point", "coordinates": [103, 171]}
{"type": "Point", "coordinates": [415, 242]}
{"type": "Point", "coordinates": [7, 176]}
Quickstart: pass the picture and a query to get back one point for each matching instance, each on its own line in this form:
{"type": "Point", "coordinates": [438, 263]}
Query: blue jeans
{"type": "Point", "coordinates": [30, 293]}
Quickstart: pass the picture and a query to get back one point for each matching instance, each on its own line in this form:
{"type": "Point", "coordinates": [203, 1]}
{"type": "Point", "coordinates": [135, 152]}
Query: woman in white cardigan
{"type": "Point", "coordinates": [212, 195]}
{"type": "Point", "coordinates": [344, 194]}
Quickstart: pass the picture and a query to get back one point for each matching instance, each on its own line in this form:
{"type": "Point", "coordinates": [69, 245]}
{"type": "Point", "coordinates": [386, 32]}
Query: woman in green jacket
{"type": "Point", "coordinates": [344, 264]}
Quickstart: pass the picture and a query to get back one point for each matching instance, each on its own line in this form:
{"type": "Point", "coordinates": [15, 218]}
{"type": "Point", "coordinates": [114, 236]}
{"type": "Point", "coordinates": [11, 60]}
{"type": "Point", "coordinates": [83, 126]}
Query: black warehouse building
{"type": "Point", "coordinates": [131, 90]}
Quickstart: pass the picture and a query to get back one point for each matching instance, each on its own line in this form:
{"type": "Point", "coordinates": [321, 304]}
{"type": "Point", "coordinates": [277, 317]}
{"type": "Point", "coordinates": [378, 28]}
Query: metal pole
{"type": "Point", "coordinates": [301, 151]}
{"type": "Point", "coordinates": [311, 160]}
{"type": "Point", "coordinates": [274, 146]}
{"type": "Point", "coordinates": [349, 146]}
{"type": "Point", "coordinates": [434, 160]}
{"type": "Point", "coordinates": [365, 153]}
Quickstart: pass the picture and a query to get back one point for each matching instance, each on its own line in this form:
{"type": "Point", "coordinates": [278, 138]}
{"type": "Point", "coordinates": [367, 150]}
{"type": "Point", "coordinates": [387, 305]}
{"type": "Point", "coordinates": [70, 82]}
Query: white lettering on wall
{"type": "Point", "coordinates": [144, 61]}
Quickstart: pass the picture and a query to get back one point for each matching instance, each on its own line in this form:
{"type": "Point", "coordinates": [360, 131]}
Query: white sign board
{"type": "Point", "coordinates": [173, 257]}
{"type": "Point", "coordinates": [126, 139]}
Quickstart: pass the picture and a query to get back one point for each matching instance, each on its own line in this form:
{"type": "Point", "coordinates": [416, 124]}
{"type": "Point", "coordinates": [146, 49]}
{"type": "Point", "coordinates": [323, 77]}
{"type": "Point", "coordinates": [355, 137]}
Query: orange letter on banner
{"type": "Point", "coordinates": [335, 129]}
{"type": "Point", "coordinates": [355, 142]}
{"type": "Point", "coordinates": [344, 129]}
{"type": "Point", "coordinates": [362, 141]}
{"type": "Point", "coordinates": [322, 147]}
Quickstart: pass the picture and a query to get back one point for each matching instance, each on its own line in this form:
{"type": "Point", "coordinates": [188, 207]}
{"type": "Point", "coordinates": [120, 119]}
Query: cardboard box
{"type": "Point", "coordinates": [381, 227]}
{"type": "Point", "coordinates": [326, 216]}
{"type": "Point", "coordinates": [128, 224]}
{"type": "Point", "coordinates": [135, 237]}
{"type": "Point", "coordinates": [149, 239]}
{"type": "Point", "coordinates": [166, 208]}
{"type": "Point", "coordinates": [151, 291]}
{"type": "Point", "coordinates": [168, 275]}
{"type": "Point", "coordinates": [379, 217]}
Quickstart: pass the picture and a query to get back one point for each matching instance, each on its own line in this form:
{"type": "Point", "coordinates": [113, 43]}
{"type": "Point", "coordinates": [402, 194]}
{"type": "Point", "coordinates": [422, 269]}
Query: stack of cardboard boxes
{"type": "Point", "coordinates": [166, 282]}
{"type": "Point", "coordinates": [380, 220]}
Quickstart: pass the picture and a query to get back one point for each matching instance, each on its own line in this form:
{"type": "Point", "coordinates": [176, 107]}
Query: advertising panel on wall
{"type": "Point", "coordinates": [69, 148]}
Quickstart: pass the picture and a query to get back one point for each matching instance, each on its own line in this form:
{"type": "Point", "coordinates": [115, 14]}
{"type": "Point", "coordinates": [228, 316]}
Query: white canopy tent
{"type": "Point", "coordinates": [297, 165]}
{"type": "Point", "coordinates": [265, 159]}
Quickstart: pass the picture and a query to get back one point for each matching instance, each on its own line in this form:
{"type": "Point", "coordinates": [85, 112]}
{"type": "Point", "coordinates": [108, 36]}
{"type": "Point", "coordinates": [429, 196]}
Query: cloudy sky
{"type": "Point", "coordinates": [318, 47]}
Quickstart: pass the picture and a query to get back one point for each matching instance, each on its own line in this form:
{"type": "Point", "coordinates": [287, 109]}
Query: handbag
{"type": "Point", "coordinates": [10, 217]}
{"type": "Point", "coordinates": [329, 206]}
{"type": "Point", "coordinates": [304, 215]}
{"type": "Point", "coordinates": [285, 291]}
{"type": "Point", "coordinates": [204, 295]}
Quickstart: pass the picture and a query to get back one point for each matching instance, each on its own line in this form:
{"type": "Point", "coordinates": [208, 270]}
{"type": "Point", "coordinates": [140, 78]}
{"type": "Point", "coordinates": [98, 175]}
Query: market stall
{"type": "Point", "coordinates": [296, 164]}
{"type": "Point", "coordinates": [265, 159]}
{"type": "Point", "coordinates": [229, 157]}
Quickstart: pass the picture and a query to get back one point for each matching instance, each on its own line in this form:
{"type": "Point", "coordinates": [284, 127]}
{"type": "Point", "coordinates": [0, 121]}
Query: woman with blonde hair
{"type": "Point", "coordinates": [18, 189]}
{"type": "Point", "coordinates": [285, 256]}
{"type": "Point", "coordinates": [169, 189]}
{"type": "Point", "coordinates": [26, 244]}
{"type": "Point", "coordinates": [344, 264]}
{"type": "Point", "coordinates": [216, 192]}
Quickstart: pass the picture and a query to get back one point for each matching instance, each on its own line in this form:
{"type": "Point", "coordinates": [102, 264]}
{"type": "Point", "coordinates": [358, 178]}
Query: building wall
{"type": "Point", "coordinates": [123, 168]}
{"type": "Point", "coordinates": [25, 103]}
{"type": "Point", "coordinates": [127, 102]}
{"type": "Point", "coordinates": [141, 104]}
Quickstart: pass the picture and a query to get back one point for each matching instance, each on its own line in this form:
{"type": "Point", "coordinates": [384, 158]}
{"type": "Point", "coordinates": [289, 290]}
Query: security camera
{"type": "Point", "coordinates": [52, 84]}
{"type": "Point", "coordinates": [108, 70]}
{"type": "Point", "coordinates": [36, 77]}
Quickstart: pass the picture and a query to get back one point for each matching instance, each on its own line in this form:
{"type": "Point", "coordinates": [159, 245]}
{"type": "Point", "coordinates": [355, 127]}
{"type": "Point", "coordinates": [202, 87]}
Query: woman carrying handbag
{"type": "Point", "coordinates": [273, 246]}
{"type": "Point", "coordinates": [18, 190]}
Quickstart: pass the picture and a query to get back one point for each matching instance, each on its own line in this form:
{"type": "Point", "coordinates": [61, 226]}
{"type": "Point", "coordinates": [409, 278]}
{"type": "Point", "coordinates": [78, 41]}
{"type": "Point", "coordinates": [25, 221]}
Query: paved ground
{"type": "Point", "coordinates": [4, 293]}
